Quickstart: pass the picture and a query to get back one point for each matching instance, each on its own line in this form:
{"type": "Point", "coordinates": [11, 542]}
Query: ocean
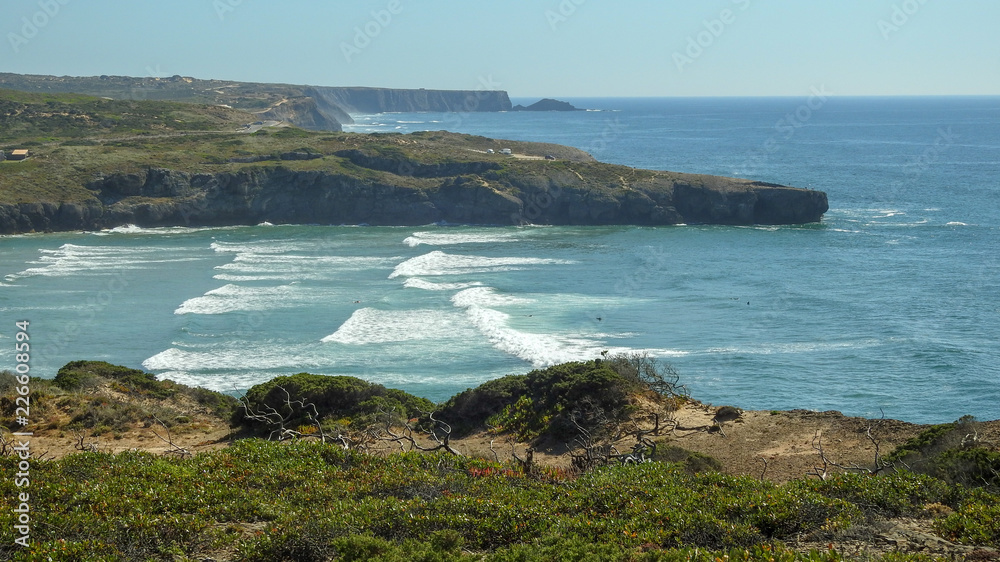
{"type": "Point", "coordinates": [890, 305]}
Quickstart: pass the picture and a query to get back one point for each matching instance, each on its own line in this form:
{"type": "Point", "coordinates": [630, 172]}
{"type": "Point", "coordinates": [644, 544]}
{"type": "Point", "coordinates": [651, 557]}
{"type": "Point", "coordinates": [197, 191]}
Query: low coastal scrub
{"type": "Point", "coordinates": [301, 499]}
{"type": "Point", "coordinates": [101, 397]}
{"type": "Point", "coordinates": [953, 452]}
{"type": "Point", "coordinates": [306, 500]}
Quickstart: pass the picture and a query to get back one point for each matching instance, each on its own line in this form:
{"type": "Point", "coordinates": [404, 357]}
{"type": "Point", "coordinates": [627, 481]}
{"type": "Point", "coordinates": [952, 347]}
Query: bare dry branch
{"type": "Point", "coordinates": [173, 448]}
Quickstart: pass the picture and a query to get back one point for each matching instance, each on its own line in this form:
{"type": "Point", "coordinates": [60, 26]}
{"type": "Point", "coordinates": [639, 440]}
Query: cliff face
{"type": "Point", "coordinates": [379, 100]}
{"type": "Point", "coordinates": [162, 197]}
{"type": "Point", "coordinates": [304, 112]}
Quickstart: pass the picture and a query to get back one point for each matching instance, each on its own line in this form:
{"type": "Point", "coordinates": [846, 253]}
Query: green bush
{"type": "Point", "coordinates": [946, 451]}
{"type": "Point", "coordinates": [78, 375]}
{"type": "Point", "coordinates": [544, 401]}
{"type": "Point", "coordinates": [975, 522]}
{"type": "Point", "coordinates": [338, 397]}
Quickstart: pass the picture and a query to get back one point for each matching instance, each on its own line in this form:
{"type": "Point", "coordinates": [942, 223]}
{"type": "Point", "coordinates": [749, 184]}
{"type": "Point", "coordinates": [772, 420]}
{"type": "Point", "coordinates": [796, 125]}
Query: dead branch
{"type": "Point", "coordinates": [438, 432]}
{"type": "Point", "coordinates": [821, 473]}
{"type": "Point", "coordinates": [173, 448]}
{"type": "Point", "coordinates": [276, 421]}
{"type": "Point", "coordinates": [879, 464]}
{"type": "Point", "coordinates": [764, 471]}
{"type": "Point", "coordinates": [82, 445]}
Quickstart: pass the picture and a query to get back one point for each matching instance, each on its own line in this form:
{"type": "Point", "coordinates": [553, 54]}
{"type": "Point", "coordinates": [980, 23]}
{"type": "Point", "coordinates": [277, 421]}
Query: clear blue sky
{"type": "Point", "coordinates": [538, 48]}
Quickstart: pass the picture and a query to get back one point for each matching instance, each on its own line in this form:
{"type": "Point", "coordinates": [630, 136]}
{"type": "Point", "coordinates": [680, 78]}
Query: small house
{"type": "Point", "coordinates": [19, 154]}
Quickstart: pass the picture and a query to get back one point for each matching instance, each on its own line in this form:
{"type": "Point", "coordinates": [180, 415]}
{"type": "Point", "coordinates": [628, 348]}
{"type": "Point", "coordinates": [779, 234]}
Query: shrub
{"type": "Point", "coordinates": [543, 402]}
{"type": "Point", "coordinates": [946, 451]}
{"type": "Point", "coordinates": [976, 521]}
{"type": "Point", "coordinates": [78, 375]}
{"type": "Point", "coordinates": [334, 397]}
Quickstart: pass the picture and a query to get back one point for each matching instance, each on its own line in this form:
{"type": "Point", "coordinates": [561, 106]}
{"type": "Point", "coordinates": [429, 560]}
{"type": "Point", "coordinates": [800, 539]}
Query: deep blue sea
{"type": "Point", "coordinates": [891, 304]}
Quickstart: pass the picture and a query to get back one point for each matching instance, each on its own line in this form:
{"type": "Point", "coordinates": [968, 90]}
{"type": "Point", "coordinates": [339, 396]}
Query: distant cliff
{"type": "Point", "coordinates": [303, 112]}
{"type": "Point", "coordinates": [331, 107]}
{"type": "Point", "coordinates": [379, 100]}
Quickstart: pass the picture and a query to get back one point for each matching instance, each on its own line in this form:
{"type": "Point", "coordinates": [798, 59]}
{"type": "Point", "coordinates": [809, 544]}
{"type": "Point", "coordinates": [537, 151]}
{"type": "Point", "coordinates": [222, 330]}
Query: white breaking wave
{"type": "Point", "coordinates": [541, 350]}
{"type": "Point", "coordinates": [234, 356]}
{"type": "Point", "coordinates": [232, 298]}
{"type": "Point", "coordinates": [774, 348]}
{"type": "Point", "coordinates": [370, 325]}
{"type": "Point", "coordinates": [418, 283]}
{"type": "Point", "coordinates": [279, 267]}
{"type": "Point", "coordinates": [71, 260]}
{"type": "Point", "coordinates": [485, 296]}
{"type": "Point", "coordinates": [439, 263]}
{"type": "Point", "coordinates": [449, 238]}
{"type": "Point", "coordinates": [133, 229]}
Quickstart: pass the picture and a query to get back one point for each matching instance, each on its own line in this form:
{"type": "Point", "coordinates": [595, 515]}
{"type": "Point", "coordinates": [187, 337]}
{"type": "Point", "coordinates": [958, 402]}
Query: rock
{"type": "Point", "coordinates": [401, 190]}
{"type": "Point", "coordinates": [547, 104]}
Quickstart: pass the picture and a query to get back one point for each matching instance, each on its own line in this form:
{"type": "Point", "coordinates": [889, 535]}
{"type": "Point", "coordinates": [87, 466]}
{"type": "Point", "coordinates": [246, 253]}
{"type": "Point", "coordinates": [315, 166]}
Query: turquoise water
{"type": "Point", "coordinates": [891, 303]}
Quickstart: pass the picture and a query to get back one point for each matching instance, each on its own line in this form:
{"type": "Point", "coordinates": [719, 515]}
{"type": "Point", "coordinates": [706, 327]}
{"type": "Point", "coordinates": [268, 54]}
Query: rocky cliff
{"type": "Point", "coordinates": [379, 100]}
{"type": "Point", "coordinates": [467, 193]}
{"type": "Point", "coordinates": [303, 112]}
{"type": "Point", "coordinates": [331, 106]}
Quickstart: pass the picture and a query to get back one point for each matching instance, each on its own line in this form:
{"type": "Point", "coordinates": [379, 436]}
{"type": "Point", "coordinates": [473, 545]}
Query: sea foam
{"type": "Point", "coordinates": [370, 325]}
{"type": "Point", "coordinates": [439, 263]}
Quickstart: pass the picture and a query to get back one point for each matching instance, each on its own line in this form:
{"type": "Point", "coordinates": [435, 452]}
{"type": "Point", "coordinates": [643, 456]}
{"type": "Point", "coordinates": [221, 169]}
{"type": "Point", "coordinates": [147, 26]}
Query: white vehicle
{"type": "Point", "coordinates": [505, 151]}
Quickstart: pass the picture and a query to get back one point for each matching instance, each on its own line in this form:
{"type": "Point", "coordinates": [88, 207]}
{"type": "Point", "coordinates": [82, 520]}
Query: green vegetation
{"type": "Point", "coordinates": [75, 139]}
{"type": "Point", "coordinates": [344, 401]}
{"type": "Point", "coordinates": [560, 400]}
{"type": "Point", "coordinates": [952, 452]}
{"type": "Point", "coordinates": [29, 117]}
{"type": "Point", "coordinates": [102, 398]}
{"type": "Point", "coordinates": [306, 500]}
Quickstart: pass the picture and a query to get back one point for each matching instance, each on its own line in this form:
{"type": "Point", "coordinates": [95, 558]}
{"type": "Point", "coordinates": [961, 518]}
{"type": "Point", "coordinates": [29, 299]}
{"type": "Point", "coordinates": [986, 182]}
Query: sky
{"type": "Point", "coordinates": [541, 48]}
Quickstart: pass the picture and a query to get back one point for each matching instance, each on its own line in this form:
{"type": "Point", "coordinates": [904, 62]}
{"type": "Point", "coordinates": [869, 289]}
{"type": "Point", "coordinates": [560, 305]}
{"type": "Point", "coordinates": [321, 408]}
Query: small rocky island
{"type": "Point", "coordinates": [99, 163]}
{"type": "Point", "coordinates": [547, 104]}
